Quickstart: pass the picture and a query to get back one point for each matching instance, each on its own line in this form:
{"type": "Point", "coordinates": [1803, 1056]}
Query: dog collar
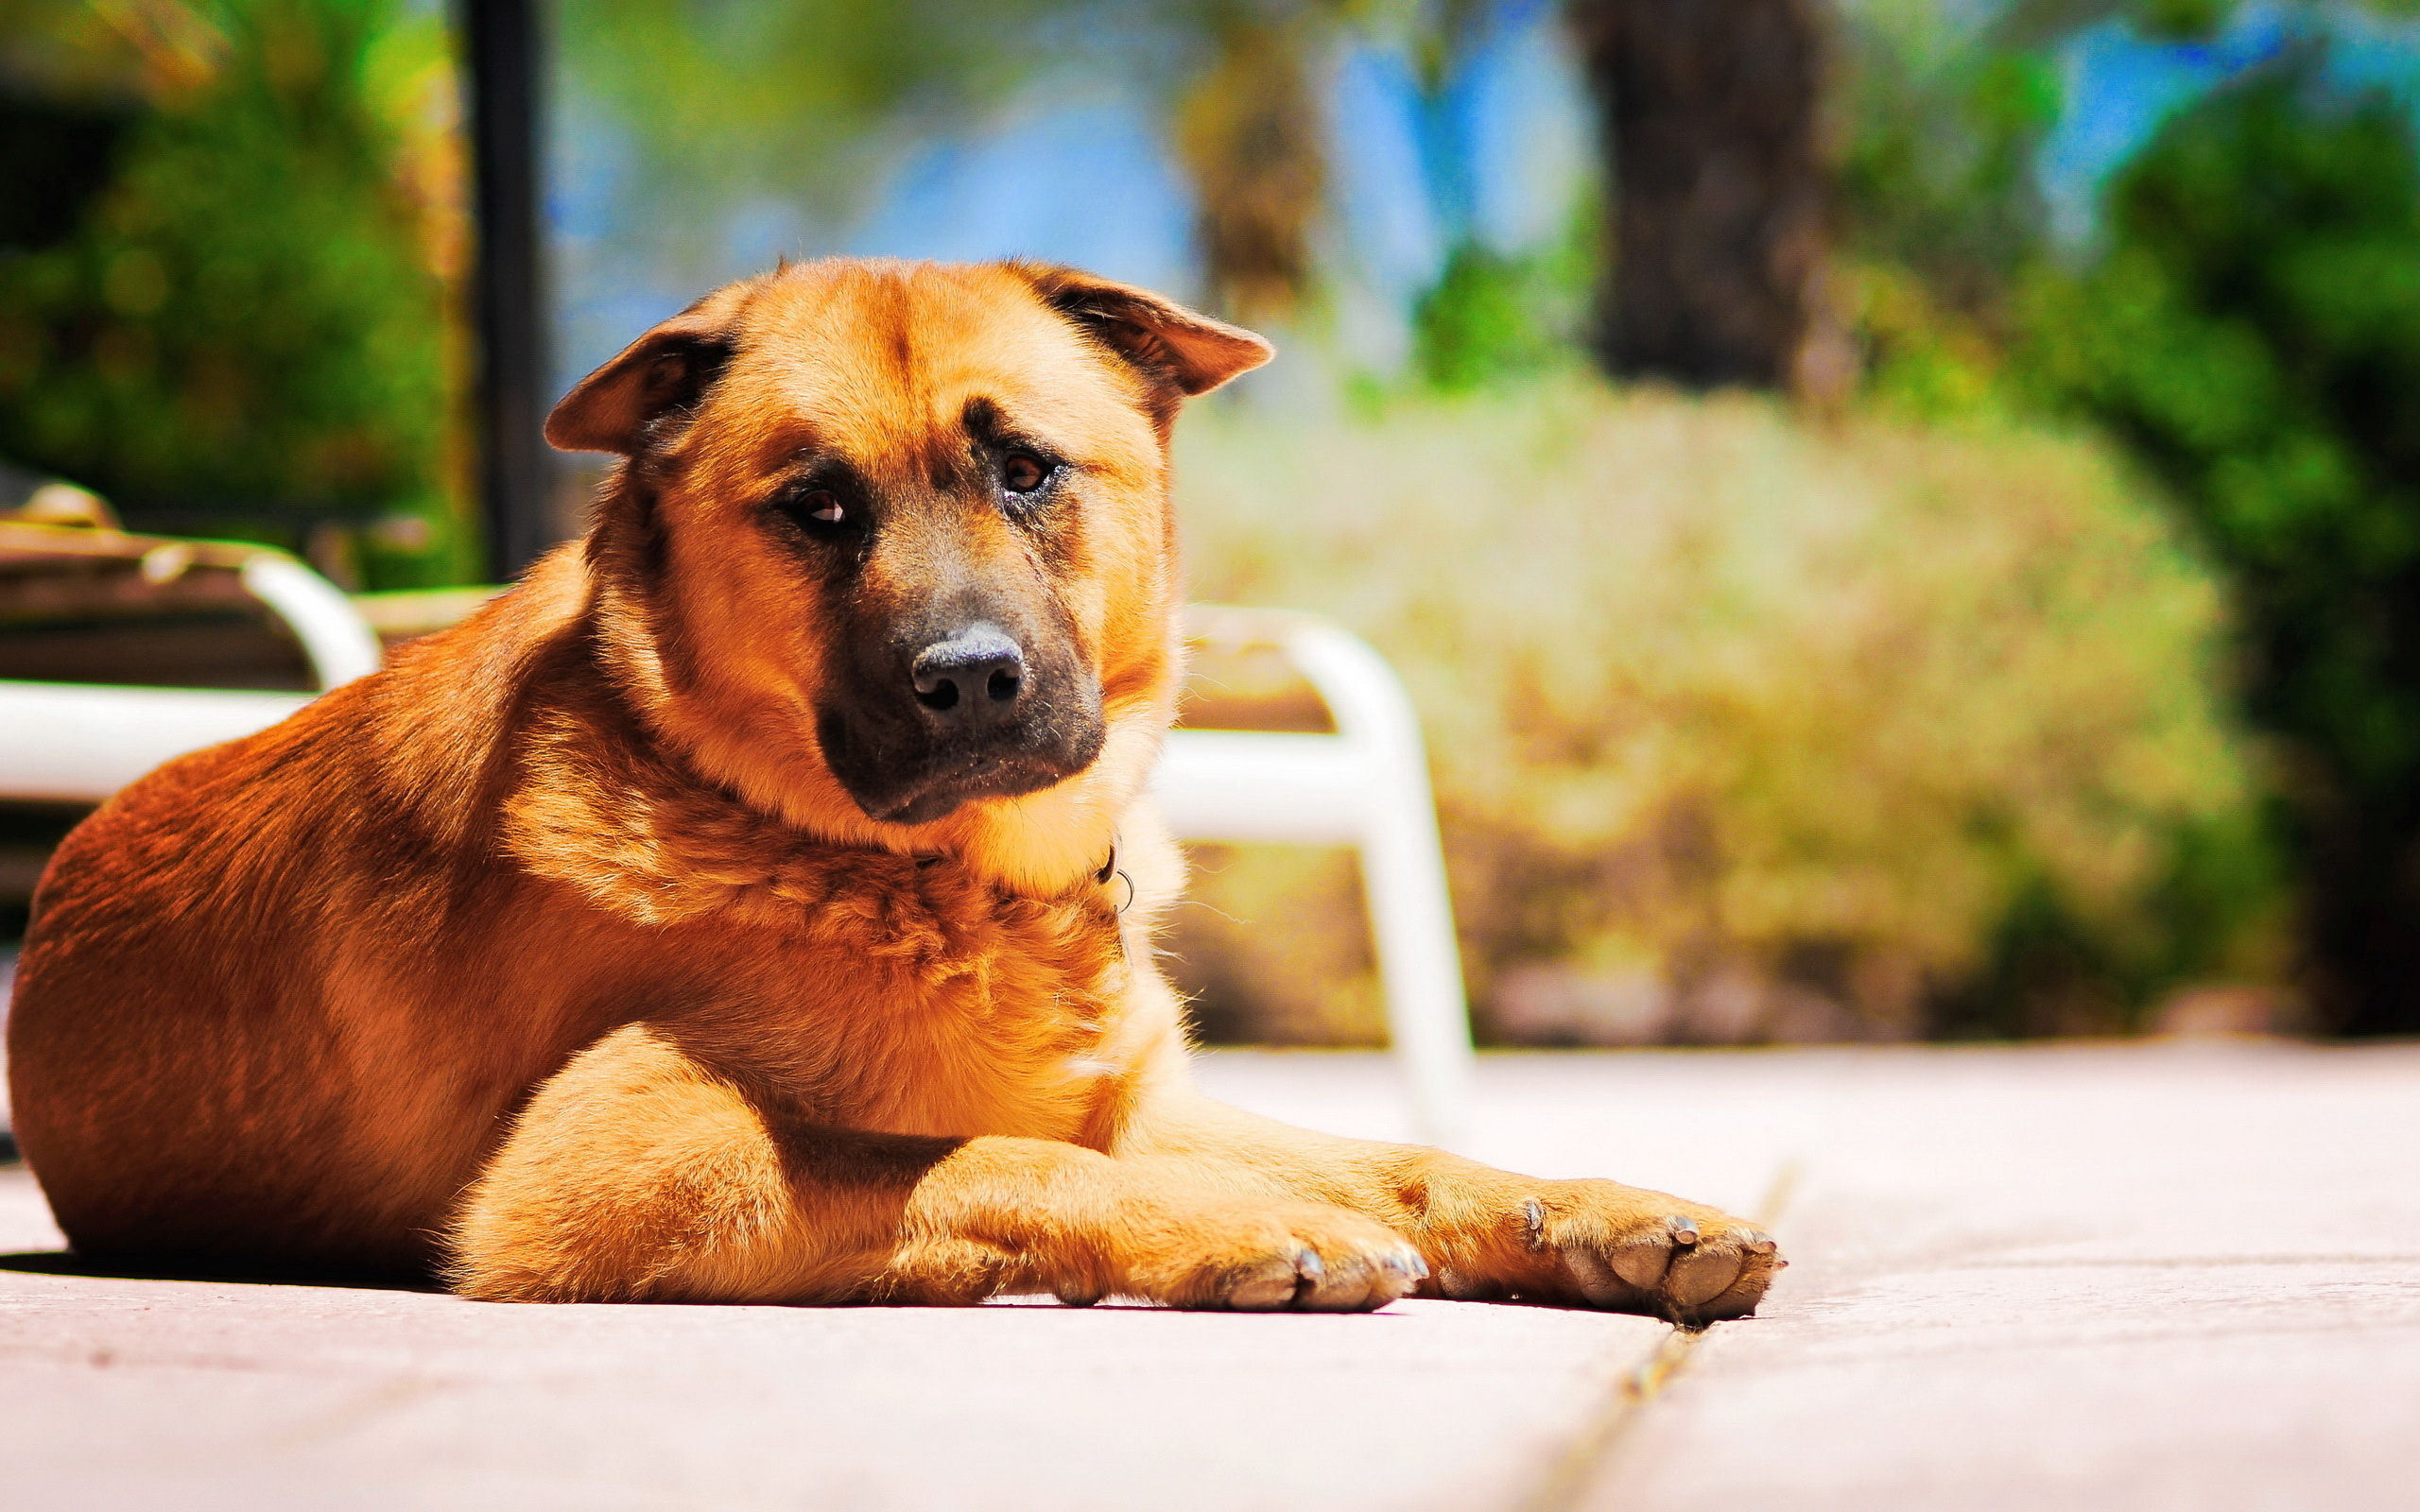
{"type": "Point", "coordinates": [1109, 869]}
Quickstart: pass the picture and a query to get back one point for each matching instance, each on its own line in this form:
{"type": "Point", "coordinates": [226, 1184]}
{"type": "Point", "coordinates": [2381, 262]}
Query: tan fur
{"type": "Point", "coordinates": [557, 959]}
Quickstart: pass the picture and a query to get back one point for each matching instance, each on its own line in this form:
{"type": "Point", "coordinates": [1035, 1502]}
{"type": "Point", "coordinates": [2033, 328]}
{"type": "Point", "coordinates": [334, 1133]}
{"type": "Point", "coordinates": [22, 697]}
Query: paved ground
{"type": "Point", "coordinates": [2143, 1277]}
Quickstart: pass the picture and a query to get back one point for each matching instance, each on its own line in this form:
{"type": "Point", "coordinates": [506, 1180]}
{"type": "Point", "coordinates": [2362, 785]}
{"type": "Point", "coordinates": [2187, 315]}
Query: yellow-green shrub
{"type": "Point", "coordinates": [1741, 728]}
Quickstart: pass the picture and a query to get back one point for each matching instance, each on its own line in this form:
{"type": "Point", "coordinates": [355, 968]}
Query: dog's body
{"type": "Point", "coordinates": [756, 904]}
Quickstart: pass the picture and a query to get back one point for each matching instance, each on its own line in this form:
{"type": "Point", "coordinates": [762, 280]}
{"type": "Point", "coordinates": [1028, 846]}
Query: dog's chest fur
{"type": "Point", "coordinates": [890, 993]}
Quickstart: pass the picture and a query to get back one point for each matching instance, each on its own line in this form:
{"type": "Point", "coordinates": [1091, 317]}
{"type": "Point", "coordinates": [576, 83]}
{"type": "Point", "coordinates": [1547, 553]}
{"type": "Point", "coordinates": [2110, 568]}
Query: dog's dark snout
{"type": "Point", "coordinates": [972, 677]}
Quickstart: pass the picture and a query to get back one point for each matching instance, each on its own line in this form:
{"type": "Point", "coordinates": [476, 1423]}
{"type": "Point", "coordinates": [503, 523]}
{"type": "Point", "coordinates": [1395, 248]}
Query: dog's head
{"type": "Point", "coordinates": [892, 552]}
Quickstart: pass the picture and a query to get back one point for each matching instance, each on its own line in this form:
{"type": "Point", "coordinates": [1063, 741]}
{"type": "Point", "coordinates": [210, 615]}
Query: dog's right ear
{"type": "Point", "coordinates": [662, 375]}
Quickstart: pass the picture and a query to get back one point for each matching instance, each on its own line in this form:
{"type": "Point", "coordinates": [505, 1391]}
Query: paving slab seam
{"type": "Point", "coordinates": [1584, 1460]}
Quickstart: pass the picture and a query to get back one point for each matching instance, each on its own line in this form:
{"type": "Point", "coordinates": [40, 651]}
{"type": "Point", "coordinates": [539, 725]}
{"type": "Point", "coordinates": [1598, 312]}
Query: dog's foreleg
{"type": "Point", "coordinates": [637, 1173]}
{"type": "Point", "coordinates": [1486, 1233]}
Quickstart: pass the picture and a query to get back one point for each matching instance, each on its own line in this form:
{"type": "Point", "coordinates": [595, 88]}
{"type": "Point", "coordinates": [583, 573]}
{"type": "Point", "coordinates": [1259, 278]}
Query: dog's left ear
{"type": "Point", "coordinates": [1175, 347]}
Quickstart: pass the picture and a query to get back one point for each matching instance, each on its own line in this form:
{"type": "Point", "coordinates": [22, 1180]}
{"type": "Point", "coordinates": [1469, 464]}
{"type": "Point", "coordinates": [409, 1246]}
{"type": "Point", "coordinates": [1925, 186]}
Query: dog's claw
{"type": "Point", "coordinates": [1684, 1230]}
{"type": "Point", "coordinates": [1309, 1271]}
{"type": "Point", "coordinates": [1533, 1218]}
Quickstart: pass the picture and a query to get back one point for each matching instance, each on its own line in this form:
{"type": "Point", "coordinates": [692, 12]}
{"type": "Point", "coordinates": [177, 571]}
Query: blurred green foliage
{"type": "Point", "coordinates": [2252, 331]}
{"type": "Point", "coordinates": [1748, 728]}
{"type": "Point", "coordinates": [1968, 317]}
{"type": "Point", "coordinates": [1936, 173]}
{"type": "Point", "coordinates": [245, 325]}
{"type": "Point", "coordinates": [1494, 317]}
{"type": "Point", "coordinates": [1940, 214]}
{"type": "Point", "coordinates": [2246, 325]}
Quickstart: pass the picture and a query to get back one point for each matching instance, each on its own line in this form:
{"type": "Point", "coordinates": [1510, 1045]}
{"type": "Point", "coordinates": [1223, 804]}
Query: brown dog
{"type": "Point", "coordinates": [728, 912]}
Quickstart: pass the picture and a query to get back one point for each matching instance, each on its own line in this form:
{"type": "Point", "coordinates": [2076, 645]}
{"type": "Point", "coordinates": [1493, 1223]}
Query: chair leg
{"type": "Point", "coordinates": [1411, 922]}
{"type": "Point", "coordinates": [1403, 870]}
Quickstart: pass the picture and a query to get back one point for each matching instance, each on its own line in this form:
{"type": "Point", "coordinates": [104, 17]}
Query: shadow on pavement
{"type": "Point", "coordinates": [67, 1263]}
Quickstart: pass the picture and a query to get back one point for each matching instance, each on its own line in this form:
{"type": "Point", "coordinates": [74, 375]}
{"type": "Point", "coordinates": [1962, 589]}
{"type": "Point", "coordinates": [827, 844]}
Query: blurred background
{"type": "Point", "coordinates": [1901, 517]}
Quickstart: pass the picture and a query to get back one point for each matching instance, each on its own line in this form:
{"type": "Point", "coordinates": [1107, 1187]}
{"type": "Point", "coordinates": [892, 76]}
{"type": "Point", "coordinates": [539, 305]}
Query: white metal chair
{"type": "Point", "coordinates": [1366, 785]}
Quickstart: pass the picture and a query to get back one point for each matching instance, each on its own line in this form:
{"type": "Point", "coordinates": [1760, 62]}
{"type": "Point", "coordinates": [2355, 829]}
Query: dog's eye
{"type": "Point", "coordinates": [1022, 473]}
{"type": "Point", "coordinates": [823, 506]}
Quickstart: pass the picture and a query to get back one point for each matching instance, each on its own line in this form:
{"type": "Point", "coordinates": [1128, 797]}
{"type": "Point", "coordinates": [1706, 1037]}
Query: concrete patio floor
{"type": "Point", "coordinates": [2158, 1276]}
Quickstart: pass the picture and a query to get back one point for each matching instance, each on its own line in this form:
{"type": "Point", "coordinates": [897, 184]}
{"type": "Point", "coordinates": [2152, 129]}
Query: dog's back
{"type": "Point", "coordinates": [223, 1043]}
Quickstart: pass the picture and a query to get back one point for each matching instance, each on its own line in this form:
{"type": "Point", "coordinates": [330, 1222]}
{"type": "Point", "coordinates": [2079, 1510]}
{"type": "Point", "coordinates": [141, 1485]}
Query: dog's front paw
{"type": "Point", "coordinates": [1599, 1243]}
{"type": "Point", "coordinates": [1265, 1257]}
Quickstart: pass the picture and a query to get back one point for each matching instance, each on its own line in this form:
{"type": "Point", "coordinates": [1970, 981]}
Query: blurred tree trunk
{"type": "Point", "coordinates": [1710, 116]}
{"type": "Point", "coordinates": [1249, 133]}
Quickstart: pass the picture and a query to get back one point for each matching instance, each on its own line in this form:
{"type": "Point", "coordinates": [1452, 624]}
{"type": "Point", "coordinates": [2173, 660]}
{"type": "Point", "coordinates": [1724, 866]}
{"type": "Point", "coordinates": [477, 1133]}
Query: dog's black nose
{"type": "Point", "coordinates": [972, 678]}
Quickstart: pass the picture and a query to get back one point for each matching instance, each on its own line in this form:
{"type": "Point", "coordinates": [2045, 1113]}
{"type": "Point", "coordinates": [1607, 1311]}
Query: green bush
{"type": "Point", "coordinates": [250, 326]}
{"type": "Point", "coordinates": [2252, 331]}
{"type": "Point", "coordinates": [1495, 319]}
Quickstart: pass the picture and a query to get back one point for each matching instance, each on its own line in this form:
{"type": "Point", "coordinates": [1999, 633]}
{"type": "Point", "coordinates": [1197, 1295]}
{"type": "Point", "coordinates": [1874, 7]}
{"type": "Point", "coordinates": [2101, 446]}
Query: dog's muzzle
{"type": "Point", "coordinates": [971, 715]}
